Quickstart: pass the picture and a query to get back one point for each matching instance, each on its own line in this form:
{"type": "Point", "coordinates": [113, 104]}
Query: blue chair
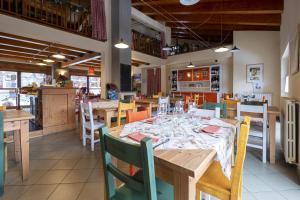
{"type": "Point", "coordinates": [143, 185]}
{"type": "Point", "coordinates": [212, 106]}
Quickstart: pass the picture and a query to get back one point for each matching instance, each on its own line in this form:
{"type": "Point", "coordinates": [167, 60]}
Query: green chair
{"type": "Point", "coordinates": [212, 106]}
{"type": "Point", "coordinates": [143, 185]}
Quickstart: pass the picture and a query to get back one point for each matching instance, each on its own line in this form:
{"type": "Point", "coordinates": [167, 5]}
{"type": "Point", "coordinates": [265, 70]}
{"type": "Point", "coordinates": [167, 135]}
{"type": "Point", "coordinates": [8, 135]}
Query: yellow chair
{"type": "Point", "coordinates": [215, 183]}
{"type": "Point", "coordinates": [196, 99]}
{"type": "Point", "coordinates": [231, 102]}
{"type": "Point", "coordinates": [123, 107]}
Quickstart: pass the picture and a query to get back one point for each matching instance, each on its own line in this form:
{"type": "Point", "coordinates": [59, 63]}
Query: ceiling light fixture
{"type": "Point", "coordinates": [190, 65]}
{"type": "Point", "coordinates": [167, 48]}
{"type": "Point", "coordinates": [41, 64]}
{"type": "Point", "coordinates": [221, 49]}
{"type": "Point", "coordinates": [59, 55]}
{"type": "Point", "coordinates": [48, 60]}
{"type": "Point", "coordinates": [234, 49]}
{"type": "Point", "coordinates": [121, 44]}
{"type": "Point", "coordinates": [188, 2]}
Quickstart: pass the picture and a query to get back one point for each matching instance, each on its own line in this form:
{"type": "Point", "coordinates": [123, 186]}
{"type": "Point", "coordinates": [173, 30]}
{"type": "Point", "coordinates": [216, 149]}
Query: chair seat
{"type": "Point", "coordinates": [164, 190]}
{"type": "Point", "coordinates": [215, 182]}
{"type": "Point", "coordinates": [97, 124]}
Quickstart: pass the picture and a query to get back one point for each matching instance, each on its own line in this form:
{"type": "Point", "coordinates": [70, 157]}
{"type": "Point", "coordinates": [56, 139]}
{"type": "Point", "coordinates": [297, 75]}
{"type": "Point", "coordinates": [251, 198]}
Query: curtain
{"type": "Point", "coordinates": [150, 82]}
{"type": "Point", "coordinates": [157, 80]}
{"type": "Point", "coordinates": [98, 20]}
{"type": "Point", "coordinates": [162, 45]}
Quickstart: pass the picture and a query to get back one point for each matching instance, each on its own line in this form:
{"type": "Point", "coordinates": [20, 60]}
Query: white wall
{"type": "Point", "coordinates": [257, 47]}
{"type": "Point", "coordinates": [289, 26]}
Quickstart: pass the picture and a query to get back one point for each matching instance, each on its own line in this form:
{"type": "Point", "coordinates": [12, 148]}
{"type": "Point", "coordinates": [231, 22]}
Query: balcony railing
{"type": "Point", "coordinates": [146, 44]}
{"type": "Point", "coordinates": [70, 18]}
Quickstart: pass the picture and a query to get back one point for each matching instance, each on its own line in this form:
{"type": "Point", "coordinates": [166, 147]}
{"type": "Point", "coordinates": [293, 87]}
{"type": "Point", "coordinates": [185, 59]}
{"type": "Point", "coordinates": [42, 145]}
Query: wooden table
{"type": "Point", "coordinates": [273, 113]}
{"type": "Point", "coordinates": [148, 103]}
{"type": "Point", "coordinates": [107, 113]}
{"type": "Point", "coordinates": [181, 168]}
{"type": "Point", "coordinates": [18, 122]}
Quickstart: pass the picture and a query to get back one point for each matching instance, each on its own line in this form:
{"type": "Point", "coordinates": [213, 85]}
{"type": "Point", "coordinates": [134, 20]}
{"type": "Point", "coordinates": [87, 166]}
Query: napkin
{"type": "Point", "coordinates": [211, 129]}
{"type": "Point", "coordinates": [137, 136]}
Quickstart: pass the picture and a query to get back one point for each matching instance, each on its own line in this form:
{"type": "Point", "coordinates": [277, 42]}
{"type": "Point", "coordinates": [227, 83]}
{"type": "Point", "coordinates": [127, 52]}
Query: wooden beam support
{"type": "Point", "coordinates": [87, 57]}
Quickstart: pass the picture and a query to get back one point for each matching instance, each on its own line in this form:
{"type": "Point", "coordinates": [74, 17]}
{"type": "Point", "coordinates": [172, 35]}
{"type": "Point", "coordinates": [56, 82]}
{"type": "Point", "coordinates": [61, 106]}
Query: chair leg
{"type": "Point", "coordinates": [83, 136]}
{"type": "Point", "coordinates": [92, 139]}
{"type": "Point", "coordinates": [264, 150]}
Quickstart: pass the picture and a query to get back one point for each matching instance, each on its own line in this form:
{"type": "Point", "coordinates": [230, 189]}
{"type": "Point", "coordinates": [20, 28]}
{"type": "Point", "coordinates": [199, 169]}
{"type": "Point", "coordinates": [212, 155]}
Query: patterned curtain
{"type": "Point", "coordinates": [98, 20]}
{"type": "Point", "coordinates": [150, 82]}
{"type": "Point", "coordinates": [157, 80]}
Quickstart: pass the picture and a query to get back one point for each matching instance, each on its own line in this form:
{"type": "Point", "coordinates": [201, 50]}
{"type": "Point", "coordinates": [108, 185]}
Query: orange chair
{"type": "Point", "coordinates": [215, 183]}
{"type": "Point", "coordinates": [134, 117]}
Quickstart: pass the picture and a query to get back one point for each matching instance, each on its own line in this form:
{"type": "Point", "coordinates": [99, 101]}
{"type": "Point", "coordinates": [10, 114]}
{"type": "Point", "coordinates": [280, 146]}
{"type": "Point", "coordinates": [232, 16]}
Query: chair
{"type": "Point", "coordinates": [142, 186]}
{"type": "Point", "coordinates": [231, 103]}
{"type": "Point", "coordinates": [212, 106]}
{"type": "Point", "coordinates": [134, 117]}
{"type": "Point", "coordinates": [215, 183]}
{"type": "Point", "coordinates": [88, 123]}
{"type": "Point", "coordinates": [163, 105]}
{"type": "Point", "coordinates": [204, 113]}
{"type": "Point", "coordinates": [187, 100]}
{"type": "Point", "coordinates": [257, 131]}
{"type": "Point", "coordinates": [122, 109]}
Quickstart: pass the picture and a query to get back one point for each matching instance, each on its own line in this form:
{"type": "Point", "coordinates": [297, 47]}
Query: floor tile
{"type": "Point", "coordinates": [268, 196]}
{"type": "Point", "coordinates": [291, 194]}
{"type": "Point", "coordinates": [96, 175]}
{"type": "Point", "coordinates": [53, 177]}
{"type": "Point", "coordinates": [67, 191]}
{"type": "Point", "coordinates": [86, 163]}
{"type": "Point", "coordinates": [92, 191]}
{"type": "Point", "coordinates": [13, 192]}
{"type": "Point", "coordinates": [65, 164]}
{"type": "Point", "coordinates": [77, 176]}
{"type": "Point", "coordinates": [248, 196]}
{"type": "Point", "coordinates": [42, 164]}
{"type": "Point", "coordinates": [38, 192]}
{"type": "Point", "coordinates": [279, 182]}
{"type": "Point", "coordinates": [253, 184]}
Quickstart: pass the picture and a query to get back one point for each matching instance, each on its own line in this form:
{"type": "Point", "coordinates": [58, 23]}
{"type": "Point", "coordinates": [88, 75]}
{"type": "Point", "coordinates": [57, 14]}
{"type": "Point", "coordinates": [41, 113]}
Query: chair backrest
{"type": "Point", "coordinates": [204, 113]}
{"type": "Point", "coordinates": [132, 116]}
{"type": "Point", "coordinates": [231, 102]}
{"type": "Point", "coordinates": [123, 108]}
{"type": "Point", "coordinates": [260, 110]}
{"type": "Point", "coordinates": [87, 113]}
{"type": "Point", "coordinates": [213, 106]}
{"type": "Point", "coordinates": [139, 155]}
{"type": "Point", "coordinates": [197, 98]}
{"type": "Point", "coordinates": [237, 173]}
{"type": "Point", "coordinates": [163, 104]}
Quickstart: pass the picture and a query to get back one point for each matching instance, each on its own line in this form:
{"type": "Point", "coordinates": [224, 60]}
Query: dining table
{"type": "Point", "coordinates": [183, 151]}
{"type": "Point", "coordinates": [17, 121]}
{"type": "Point", "coordinates": [273, 114]}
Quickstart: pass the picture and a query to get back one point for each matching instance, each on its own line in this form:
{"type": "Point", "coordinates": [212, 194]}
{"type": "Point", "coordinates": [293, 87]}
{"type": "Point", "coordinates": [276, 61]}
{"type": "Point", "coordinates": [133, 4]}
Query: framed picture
{"type": "Point", "coordinates": [255, 73]}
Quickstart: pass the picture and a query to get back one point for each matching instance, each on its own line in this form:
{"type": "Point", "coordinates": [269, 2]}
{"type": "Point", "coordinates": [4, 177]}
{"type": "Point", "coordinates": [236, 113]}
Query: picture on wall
{"type": "Point", "coordinates": [255, 73]}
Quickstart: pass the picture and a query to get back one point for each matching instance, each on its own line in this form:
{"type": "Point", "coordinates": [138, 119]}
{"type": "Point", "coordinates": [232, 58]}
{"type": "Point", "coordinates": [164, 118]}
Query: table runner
{"type": "Point", "coordinates": [183, 131]}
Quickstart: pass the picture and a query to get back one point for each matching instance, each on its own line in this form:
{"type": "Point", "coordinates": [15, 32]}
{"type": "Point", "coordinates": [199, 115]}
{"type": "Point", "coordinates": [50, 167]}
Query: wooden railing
{"type": "Point", "coordinates": [146, 44]}
{"type": "Point", "coordinates": [46, 12]}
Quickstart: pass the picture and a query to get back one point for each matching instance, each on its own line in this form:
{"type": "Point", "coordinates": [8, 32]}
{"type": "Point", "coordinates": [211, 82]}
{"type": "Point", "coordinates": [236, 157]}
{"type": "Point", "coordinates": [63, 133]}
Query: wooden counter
{"type": "Point", "coordinates": [56, 109]}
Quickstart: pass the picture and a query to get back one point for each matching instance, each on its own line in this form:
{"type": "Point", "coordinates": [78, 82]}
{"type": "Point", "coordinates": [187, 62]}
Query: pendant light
{"type": "Point", "coordinates": [188, 2]}
{"type": "Point", "coordinates": [41, 64]}
{"type": "Point", "coordinates": [222, 48]}
{"type": "Point", "coordinates": [59, 55]}
{"type": "Point", "coordinates": [190, 65]}
{"type": "Point", "coordinates": [48, 60]}
{"type": "Point", "coordinates": [234, 49]}
{"type": "Point", "coordinates": [121, 44]}
{"type": "Point", "coordinates": [167, 48]}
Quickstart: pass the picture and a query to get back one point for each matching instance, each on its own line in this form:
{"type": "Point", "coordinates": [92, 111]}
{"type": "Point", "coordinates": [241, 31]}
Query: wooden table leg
{"type": "Point", "coordinates": [272, 138]}
{"type": "Point", "coordinates": [17, 143]}
{"type": "Point", "coordinates": [184, 187]}
{"type": "Point", "coordinates": [107, 118]}
{"type": "Point", "coordinates": [24, 135]}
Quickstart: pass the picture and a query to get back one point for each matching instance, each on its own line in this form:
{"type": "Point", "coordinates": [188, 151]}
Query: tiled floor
{"type": "Point", "coordinates": [62, 169]}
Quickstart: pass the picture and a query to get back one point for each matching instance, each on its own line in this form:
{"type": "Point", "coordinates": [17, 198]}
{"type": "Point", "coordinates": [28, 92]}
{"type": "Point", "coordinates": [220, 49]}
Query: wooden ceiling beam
{"type": "Point", "coordinates": [169, 2]}
{"type": "Point", "coordinates": [87, 57]}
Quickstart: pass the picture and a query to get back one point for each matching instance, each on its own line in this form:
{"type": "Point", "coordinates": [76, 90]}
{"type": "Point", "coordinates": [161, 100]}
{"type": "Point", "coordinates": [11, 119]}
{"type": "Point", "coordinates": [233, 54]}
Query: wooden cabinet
{"type": "Point", "coordinates": [57, 109]}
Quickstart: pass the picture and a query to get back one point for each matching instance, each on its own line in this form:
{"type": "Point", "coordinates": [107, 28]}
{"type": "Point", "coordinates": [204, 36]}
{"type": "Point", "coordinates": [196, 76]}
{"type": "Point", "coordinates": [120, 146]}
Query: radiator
{"type": "Point", "coordinates": [291, 132]}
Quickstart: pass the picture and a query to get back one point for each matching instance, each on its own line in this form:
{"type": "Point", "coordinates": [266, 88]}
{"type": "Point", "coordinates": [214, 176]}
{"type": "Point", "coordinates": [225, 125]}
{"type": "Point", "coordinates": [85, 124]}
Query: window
{"type": "Point", "coordinates": [79, 81]}
{"type": "Point", "coordinates": [94, 85]}
{"type": "Point", "coordinates": [8, 88]}
{"type": "Point", "coordinates": [285, 72]}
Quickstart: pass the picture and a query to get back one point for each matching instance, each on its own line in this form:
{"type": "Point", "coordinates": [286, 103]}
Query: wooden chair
{"type": "Point", "coordinates": [122, 109]}
{"type": "Point", "coordinates": [89, 124]}
{"type": "Point", "coordinates": [212, 106]}
{"type": "Point", "coordinates": [142, 186]}
{"type": "Point", "coordinates": [215, 183]}
{"type": "Point", "coordinates": [257, 130]}
{"type": "Point", "coordinates": [134, 117]}
{"type": "Point", "coordinates": [231, 103]}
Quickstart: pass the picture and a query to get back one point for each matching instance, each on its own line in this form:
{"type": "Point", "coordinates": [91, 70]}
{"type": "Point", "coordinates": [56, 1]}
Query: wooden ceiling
{"type": "Point", "coordinates": [203, 20]}
{"type": "Point", "coordinates": [17, 49]}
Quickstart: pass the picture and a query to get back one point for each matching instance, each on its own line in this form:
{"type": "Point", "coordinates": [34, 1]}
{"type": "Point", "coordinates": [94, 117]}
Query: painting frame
{"type": "Point", "coordinates": [255, 73]}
